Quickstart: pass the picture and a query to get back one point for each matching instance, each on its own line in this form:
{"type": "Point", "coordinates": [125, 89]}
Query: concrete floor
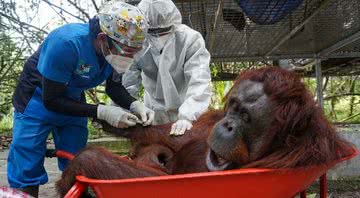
{"type": "Point", "coordinates": [47, 190]}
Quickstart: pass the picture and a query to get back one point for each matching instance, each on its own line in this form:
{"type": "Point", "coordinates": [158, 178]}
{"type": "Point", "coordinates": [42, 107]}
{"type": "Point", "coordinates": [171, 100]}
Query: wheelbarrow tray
{"type": "Point", "coordinates": [247, 182]}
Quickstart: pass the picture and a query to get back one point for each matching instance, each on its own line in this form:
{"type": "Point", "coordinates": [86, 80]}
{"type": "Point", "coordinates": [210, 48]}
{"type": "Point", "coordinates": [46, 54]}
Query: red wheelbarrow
{"type": "Point", "coordinates": [249, 182]}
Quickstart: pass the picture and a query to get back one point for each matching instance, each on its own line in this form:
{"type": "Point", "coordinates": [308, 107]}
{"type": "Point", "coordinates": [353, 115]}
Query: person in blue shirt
{"type": "Point", "coordinates": [50, 94]}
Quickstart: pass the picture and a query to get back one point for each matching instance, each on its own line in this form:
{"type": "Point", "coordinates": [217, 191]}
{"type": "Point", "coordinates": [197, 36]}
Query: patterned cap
{"type": "Point", "coordinates": [123, 22]}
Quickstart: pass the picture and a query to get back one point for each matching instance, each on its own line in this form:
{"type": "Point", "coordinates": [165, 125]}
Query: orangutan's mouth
{"type": "Point", "coordinates": [216, 163]}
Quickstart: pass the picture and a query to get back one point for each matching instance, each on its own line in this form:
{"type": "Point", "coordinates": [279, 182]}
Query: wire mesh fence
{"type": "Point", "coordinates": [264, 29]}
{"type": "Point", "coordinates": [257, 30]}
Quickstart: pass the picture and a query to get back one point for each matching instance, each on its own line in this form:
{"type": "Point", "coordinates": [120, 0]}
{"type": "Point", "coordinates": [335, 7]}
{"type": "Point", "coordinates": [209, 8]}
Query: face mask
{"type": "Point", "coordinates": [159, 42]}
{"type": "Point", "coordinates": [119, 63]}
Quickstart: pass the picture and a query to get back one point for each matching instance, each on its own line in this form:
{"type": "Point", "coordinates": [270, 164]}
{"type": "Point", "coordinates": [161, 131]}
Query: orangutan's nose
{"type": "Point", "coordinates": [229, 126]}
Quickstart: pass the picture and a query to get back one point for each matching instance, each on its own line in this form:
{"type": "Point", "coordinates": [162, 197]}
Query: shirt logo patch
{"type": "Point", "coordinates": [83, 68]}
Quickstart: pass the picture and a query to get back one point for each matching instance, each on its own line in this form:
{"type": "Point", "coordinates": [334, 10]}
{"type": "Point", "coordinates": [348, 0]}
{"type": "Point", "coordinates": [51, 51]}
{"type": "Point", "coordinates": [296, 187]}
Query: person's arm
{"type": "Point", "coordinates": [117, 92]}
{"type": "Point", "coordinates": [55, 100]}
{"type": "Point", "coordinates": [121, 97]}
{"type": "Point", "coordinates": [198, 77]}
{"type": "Point", "coordinates": [57, 63]}
{"type": "Point", "coordinates": [131, 80]}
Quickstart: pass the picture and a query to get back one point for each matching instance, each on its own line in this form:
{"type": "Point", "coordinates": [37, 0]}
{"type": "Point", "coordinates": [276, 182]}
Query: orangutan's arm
{"type": "Point", "coordinates": [98, 163]}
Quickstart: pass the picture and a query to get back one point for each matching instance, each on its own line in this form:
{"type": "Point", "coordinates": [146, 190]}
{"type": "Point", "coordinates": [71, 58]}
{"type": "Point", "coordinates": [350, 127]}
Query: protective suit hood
{"type": "Point", "coordinates": [160, 13]}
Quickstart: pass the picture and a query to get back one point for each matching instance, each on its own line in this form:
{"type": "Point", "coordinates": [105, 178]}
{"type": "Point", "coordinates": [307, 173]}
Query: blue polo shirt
{"type": "Point", "coordinates": [67, 56]}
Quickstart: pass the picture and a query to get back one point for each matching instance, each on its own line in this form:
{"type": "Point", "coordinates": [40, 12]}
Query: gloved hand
{"type": "Point", "coordinates": [146, 114]}
{"type": "Point", "coordinates": [116, 116]}
{"type": "Point", "coordinates": [180, 126]}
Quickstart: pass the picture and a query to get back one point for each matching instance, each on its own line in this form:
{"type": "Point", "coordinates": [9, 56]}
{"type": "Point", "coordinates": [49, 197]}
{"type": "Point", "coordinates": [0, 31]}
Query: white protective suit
{"type": "Point", "coordinates": [176, 81]}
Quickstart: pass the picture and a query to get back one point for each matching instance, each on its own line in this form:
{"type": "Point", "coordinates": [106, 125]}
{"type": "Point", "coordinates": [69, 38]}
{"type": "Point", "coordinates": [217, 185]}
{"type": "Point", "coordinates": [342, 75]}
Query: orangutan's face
{"type": "Point", "coordinates": [237, 138]}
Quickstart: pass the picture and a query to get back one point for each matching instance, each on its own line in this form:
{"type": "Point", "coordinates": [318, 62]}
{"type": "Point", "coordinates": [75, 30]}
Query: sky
{"type": "Point", "coordinates": [47, 16]}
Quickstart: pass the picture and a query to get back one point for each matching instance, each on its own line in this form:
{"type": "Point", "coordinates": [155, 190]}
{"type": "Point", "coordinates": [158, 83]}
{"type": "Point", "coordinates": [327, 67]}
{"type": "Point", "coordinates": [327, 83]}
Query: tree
{"type": "Point", "coordinates": [11, 60]}
{"type": "Point", "coordinates": [21, 33]}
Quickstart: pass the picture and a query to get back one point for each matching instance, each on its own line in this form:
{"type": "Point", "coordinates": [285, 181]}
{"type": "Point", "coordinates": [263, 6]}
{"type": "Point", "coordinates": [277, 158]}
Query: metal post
{"type": "Point", "coordinates": [319, 83]}
{"type": "Point", "coordinates": [303, 194]}
{"type": "Point", "coordinates": [323, 186]}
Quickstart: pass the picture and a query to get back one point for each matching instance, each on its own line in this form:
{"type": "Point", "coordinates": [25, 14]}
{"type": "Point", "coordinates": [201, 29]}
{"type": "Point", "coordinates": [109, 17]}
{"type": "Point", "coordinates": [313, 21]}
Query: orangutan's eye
{"type": "Point", "coordinates": [232, 101]}
{"type": "Point", "coordinates": [246, 117]}
{"type": "Point", "coordinates": [252, 98]}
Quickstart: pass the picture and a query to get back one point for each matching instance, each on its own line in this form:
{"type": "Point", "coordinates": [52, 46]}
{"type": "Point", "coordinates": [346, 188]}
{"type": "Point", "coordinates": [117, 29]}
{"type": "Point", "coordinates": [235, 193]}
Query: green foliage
{"type": "Point", "coordinates": [219, 91]}
{"type": "Point", "coordinates": [6, 123]}
{"type": "Point", "coordinates": [310, 84]}
{"type": "Point", "coordinates": [215, 69]}
{"type": "Point", "coordinates": [11, 61]}
{"type": "Point", "coordinates": [341, 98]}
{"type": "Point", "coordinates": [93, 132]}
{"type": "Point", "coordinates": [141, 93]}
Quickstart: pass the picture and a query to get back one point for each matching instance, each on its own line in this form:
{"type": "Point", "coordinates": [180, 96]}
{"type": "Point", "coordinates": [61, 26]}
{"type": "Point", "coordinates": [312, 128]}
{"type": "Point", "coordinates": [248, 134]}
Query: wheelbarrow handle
{"type": "Point", "coordinates": [59, 153]}
{"type": "Point", "coordinates": [76, 190]}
